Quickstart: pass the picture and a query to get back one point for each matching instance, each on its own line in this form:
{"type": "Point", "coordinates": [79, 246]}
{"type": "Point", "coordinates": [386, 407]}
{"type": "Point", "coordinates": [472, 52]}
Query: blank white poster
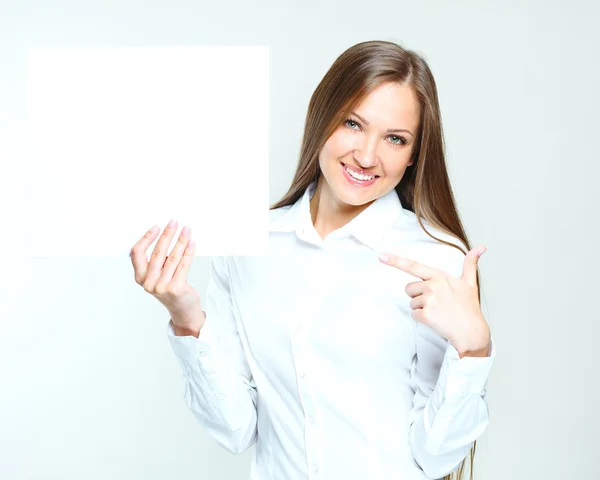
{"type": "Point", "coordinates": [124, 138]}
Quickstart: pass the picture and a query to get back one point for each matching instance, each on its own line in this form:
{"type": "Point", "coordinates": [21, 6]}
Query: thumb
{"type": "Point", "coordinates": [469, 273]}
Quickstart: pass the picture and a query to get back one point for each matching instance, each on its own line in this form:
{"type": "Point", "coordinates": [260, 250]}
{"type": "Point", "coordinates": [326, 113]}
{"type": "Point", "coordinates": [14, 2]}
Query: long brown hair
{"type": "Point", "coordinates": [425, 186]}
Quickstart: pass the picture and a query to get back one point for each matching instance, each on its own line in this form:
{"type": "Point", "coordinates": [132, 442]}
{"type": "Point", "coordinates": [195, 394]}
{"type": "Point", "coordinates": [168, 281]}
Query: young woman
{"type": "Point", "coordinates": [336, 363]}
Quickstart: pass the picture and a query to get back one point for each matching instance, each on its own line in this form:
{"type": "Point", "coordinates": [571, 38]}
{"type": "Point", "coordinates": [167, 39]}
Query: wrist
{"type": "Point", "coordinates": [186, 331]}
{"type": "Point", "coordinates": [185, 326]}
{"type": "Point", "coordinates": [482, 352]}
{"type": "Point", "coordinates": [474, 344]}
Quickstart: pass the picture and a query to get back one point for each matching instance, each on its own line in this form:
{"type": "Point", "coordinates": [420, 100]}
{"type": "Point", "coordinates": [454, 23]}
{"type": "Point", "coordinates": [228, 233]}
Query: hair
{"type": "Point", "coordinates": [425, 186]}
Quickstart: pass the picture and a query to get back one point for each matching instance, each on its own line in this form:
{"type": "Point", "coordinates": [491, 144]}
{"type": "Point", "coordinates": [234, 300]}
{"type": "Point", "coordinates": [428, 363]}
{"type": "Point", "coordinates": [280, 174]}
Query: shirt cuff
{"type": "Point", "coordinates": [459, 378]}
{"type": "Point", "coordinates": [194, 353]}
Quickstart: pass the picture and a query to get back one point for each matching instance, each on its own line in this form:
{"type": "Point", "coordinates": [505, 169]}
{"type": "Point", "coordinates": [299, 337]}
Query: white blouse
{"type": "Point", "coordinates": [310, 352]}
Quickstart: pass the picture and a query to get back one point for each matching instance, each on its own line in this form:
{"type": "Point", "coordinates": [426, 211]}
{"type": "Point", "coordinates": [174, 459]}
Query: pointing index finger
{"type": "Point", "coordinates": [409, 266]}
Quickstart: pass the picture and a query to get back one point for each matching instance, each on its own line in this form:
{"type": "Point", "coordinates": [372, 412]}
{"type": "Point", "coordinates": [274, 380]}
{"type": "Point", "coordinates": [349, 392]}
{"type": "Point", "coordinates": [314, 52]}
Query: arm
{"type": "Point", "coordinates": [449, 409]}
{"type": "Point", "coordinates": [219, 388]}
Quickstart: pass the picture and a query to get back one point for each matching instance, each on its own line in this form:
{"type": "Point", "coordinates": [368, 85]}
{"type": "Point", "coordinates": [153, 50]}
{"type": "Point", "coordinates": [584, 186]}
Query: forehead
{"type": "Point", "coordinates": [390, 105]}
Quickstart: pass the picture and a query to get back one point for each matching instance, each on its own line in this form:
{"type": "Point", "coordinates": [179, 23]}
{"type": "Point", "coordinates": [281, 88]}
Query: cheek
{"type": "Point", "coordinates": [338, 144]}
{"type": "Point", "coordinates": [397, 167]}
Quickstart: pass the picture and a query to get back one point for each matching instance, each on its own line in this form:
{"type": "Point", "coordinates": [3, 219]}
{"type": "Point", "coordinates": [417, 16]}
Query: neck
{"type": "Point", "coordinates": [327, 212]}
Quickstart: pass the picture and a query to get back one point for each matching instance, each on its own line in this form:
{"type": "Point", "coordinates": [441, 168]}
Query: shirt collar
{"type": "Point", "coordinates": [369, 226]}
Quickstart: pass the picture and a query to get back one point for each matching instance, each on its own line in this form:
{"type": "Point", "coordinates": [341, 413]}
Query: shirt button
{"type": "Point", "coordinates": [315, 468]}
{"type": "Point", "coordinates": [302, 374]}
{"type": "Point", "coordinates": [298, 325]}
{"type": "Point", "coordinates": [311, 420]}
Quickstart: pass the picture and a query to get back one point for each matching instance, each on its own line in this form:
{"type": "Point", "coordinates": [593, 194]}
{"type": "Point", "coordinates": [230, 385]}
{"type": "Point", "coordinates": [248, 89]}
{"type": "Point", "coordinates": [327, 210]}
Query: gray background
{"type": "Point", "coordinates": [89, 386]}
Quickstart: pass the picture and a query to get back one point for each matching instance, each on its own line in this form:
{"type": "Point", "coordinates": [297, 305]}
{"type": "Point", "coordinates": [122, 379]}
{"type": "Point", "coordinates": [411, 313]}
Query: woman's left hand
{"type": "Point", "coordinates": [447, 304]}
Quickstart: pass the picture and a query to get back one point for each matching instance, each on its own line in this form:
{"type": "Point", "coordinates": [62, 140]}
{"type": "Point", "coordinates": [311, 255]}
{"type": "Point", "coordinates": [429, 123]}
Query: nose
{"type": "Point", "coordinates": [366, 153]}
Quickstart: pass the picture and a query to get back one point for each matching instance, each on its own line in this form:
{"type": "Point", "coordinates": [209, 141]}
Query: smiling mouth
{"type": "Point", "coordinates": [348, 168]}
{"type": "Point", "coordinates": [357, 182]}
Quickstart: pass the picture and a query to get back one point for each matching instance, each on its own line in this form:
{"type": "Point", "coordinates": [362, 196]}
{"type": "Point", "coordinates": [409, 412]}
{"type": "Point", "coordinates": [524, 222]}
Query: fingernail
{"type": "Point", "coordinates": [481, 251]}
{"type": "Point", "coordinates": [383, 257]}
{"type": "Point", "coordinates": [171, 223]}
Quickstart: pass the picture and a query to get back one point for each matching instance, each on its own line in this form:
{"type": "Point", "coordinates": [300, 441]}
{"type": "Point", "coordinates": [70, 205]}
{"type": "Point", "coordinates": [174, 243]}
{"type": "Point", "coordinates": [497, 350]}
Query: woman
{"type": "Point", "coordinates": [337, 363]}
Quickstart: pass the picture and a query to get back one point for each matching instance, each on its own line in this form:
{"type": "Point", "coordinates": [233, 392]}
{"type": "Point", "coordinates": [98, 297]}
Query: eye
{"type": "Point", "coordinates": [398, 142]}
{"type": "Point", "coordinates": [350, 121]}
{"type": "Point", "coordinates": [402, 140]}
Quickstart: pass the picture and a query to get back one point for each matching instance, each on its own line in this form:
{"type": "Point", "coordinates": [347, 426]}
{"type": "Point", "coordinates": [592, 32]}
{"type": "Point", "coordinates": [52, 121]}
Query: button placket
{"type": "Point", "coordinates": [299, 346]}
{"type": "Point", "coordinates": [312, 435]}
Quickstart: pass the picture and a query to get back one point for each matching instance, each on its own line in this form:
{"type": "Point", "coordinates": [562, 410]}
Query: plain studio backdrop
{"type": "Point", "coordinates": [89, 385]}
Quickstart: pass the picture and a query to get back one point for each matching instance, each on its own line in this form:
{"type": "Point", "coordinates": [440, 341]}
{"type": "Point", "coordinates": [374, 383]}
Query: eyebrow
{"type": "Point", "coordinates": [389, 130]}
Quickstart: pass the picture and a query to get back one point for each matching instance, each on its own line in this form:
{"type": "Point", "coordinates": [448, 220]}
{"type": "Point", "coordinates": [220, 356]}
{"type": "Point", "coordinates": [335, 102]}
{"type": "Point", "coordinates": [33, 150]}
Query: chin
{"type": "Point", "coordinates": [354, 196]}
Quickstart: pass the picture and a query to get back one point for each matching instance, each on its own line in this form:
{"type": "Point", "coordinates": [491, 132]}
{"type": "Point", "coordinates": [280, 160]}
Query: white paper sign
{"type": "Point", "coordinates": [121, 139]}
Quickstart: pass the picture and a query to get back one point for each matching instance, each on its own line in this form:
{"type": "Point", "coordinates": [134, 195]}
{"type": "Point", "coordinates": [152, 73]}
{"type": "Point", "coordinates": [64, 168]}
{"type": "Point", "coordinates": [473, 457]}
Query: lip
{"type": "Point", "coordinates": [358, 170]}
{"type": "Point", "coordinates": [354, 181]}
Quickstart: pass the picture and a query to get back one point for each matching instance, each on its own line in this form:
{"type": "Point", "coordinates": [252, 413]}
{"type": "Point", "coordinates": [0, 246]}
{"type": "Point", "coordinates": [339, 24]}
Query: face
{"type": "Point", "coordinates": [363, 143]}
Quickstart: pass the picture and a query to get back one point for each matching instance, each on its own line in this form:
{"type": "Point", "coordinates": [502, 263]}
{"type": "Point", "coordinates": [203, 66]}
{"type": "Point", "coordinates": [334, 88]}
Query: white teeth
{"type": "Point", "coordinates": [358, 176]}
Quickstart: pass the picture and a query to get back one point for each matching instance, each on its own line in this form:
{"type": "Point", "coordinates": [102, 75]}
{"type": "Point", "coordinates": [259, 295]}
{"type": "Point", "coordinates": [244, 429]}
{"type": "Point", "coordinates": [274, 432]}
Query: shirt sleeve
{"type": "Point", "coordinates": [219, 388]}
{"type": "Point", "coordinates": [449, 410]}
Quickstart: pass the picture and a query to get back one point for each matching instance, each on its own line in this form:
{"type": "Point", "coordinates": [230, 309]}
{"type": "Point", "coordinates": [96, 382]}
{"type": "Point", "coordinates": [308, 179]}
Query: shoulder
{"type": "Point", "coordinates": [220, 264]}
{"type": "Point", "coordinates": [275, 213]}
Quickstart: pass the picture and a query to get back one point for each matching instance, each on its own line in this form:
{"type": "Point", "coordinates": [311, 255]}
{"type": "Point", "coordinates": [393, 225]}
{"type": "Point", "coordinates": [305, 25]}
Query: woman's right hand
{"type": "Point", "coordinates": [165, 277]}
